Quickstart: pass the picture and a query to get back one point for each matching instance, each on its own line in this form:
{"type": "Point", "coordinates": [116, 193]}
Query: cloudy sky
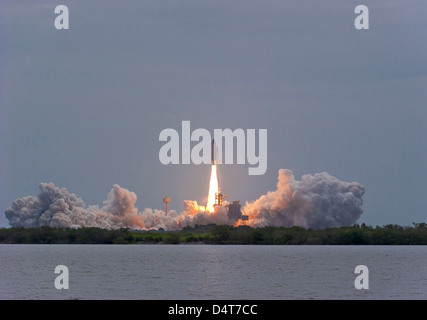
{"type": "Point", "coordinates": [83, 108]}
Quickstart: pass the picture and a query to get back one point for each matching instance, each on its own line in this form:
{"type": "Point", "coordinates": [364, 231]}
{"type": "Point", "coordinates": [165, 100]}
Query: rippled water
{"type": "Point", "coordinates": [212, 272]}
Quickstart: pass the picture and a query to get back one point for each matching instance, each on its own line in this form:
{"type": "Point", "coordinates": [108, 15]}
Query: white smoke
{"type": "Point", "coordinates": [317, 202]}
{"type": "Point", "coordinates": [192, 215]}
{"type": "Point", "coordinates": [56, 207]}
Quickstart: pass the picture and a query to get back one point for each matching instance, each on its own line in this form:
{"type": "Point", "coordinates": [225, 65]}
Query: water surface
{"type": "Point", "coordinates": [212, 272]}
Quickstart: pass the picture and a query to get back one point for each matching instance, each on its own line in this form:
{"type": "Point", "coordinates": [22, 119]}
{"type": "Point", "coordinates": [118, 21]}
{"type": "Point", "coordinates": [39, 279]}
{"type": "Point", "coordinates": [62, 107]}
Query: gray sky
{"type": "Point", "coordinates": [83, 107]}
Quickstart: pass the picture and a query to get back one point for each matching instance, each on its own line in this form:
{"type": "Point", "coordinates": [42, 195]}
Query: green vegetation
{"type": "Point", "coordinates": [48, 235]}
{"type": "Point", "coordinates": [223, 234]}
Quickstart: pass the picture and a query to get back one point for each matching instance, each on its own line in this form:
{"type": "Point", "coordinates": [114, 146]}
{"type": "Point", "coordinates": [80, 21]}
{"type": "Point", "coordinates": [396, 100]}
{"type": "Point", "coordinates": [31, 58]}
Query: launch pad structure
{"type": "Point", "coordinates": [234, 210]}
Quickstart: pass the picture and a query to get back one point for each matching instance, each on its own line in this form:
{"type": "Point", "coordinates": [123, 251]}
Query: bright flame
{"type": "Point", "coordinates": [213, 188]}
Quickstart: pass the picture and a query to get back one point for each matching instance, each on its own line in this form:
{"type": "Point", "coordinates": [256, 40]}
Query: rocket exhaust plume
{"type": "Point", "coordinates": [213, 189]}
{"type": "Point", "coordinates": [317, 201]}
{"type": "Point", "coordinates": [59, 208]}
{"type": "Point", "coordinates": [213, 182]}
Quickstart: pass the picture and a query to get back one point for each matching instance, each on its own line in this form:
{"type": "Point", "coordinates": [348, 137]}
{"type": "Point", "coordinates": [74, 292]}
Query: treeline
{"type": "Point", "coordinates": [48, 235]}
{"type": "Point", "coordinates": [223, 234]}
{"type": "Point", "coordinates": [351, 235]}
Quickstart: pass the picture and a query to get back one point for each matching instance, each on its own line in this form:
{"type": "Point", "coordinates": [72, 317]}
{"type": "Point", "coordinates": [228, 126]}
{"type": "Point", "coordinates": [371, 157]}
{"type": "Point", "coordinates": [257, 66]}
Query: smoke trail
{"type": "Point", "coordinates": [317, 202]}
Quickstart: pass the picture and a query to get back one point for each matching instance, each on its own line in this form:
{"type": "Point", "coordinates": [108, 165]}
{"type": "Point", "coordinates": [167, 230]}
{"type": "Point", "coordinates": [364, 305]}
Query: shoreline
{"type": "Point", "coordinates": [222, 235]}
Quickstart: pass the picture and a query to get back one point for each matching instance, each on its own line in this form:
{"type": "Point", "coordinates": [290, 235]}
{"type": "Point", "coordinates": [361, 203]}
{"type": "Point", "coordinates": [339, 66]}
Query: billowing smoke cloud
{"type": "Point", "coordinates": [193, 214]}
{"type": "Point", "coordinates": [317, 201]}
{"type": "Point", "coordinates": [56, 207]}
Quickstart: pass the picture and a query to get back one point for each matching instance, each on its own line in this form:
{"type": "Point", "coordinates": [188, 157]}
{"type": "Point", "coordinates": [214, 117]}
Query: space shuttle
{"type": "Point", "coordinates": [213, 151]}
